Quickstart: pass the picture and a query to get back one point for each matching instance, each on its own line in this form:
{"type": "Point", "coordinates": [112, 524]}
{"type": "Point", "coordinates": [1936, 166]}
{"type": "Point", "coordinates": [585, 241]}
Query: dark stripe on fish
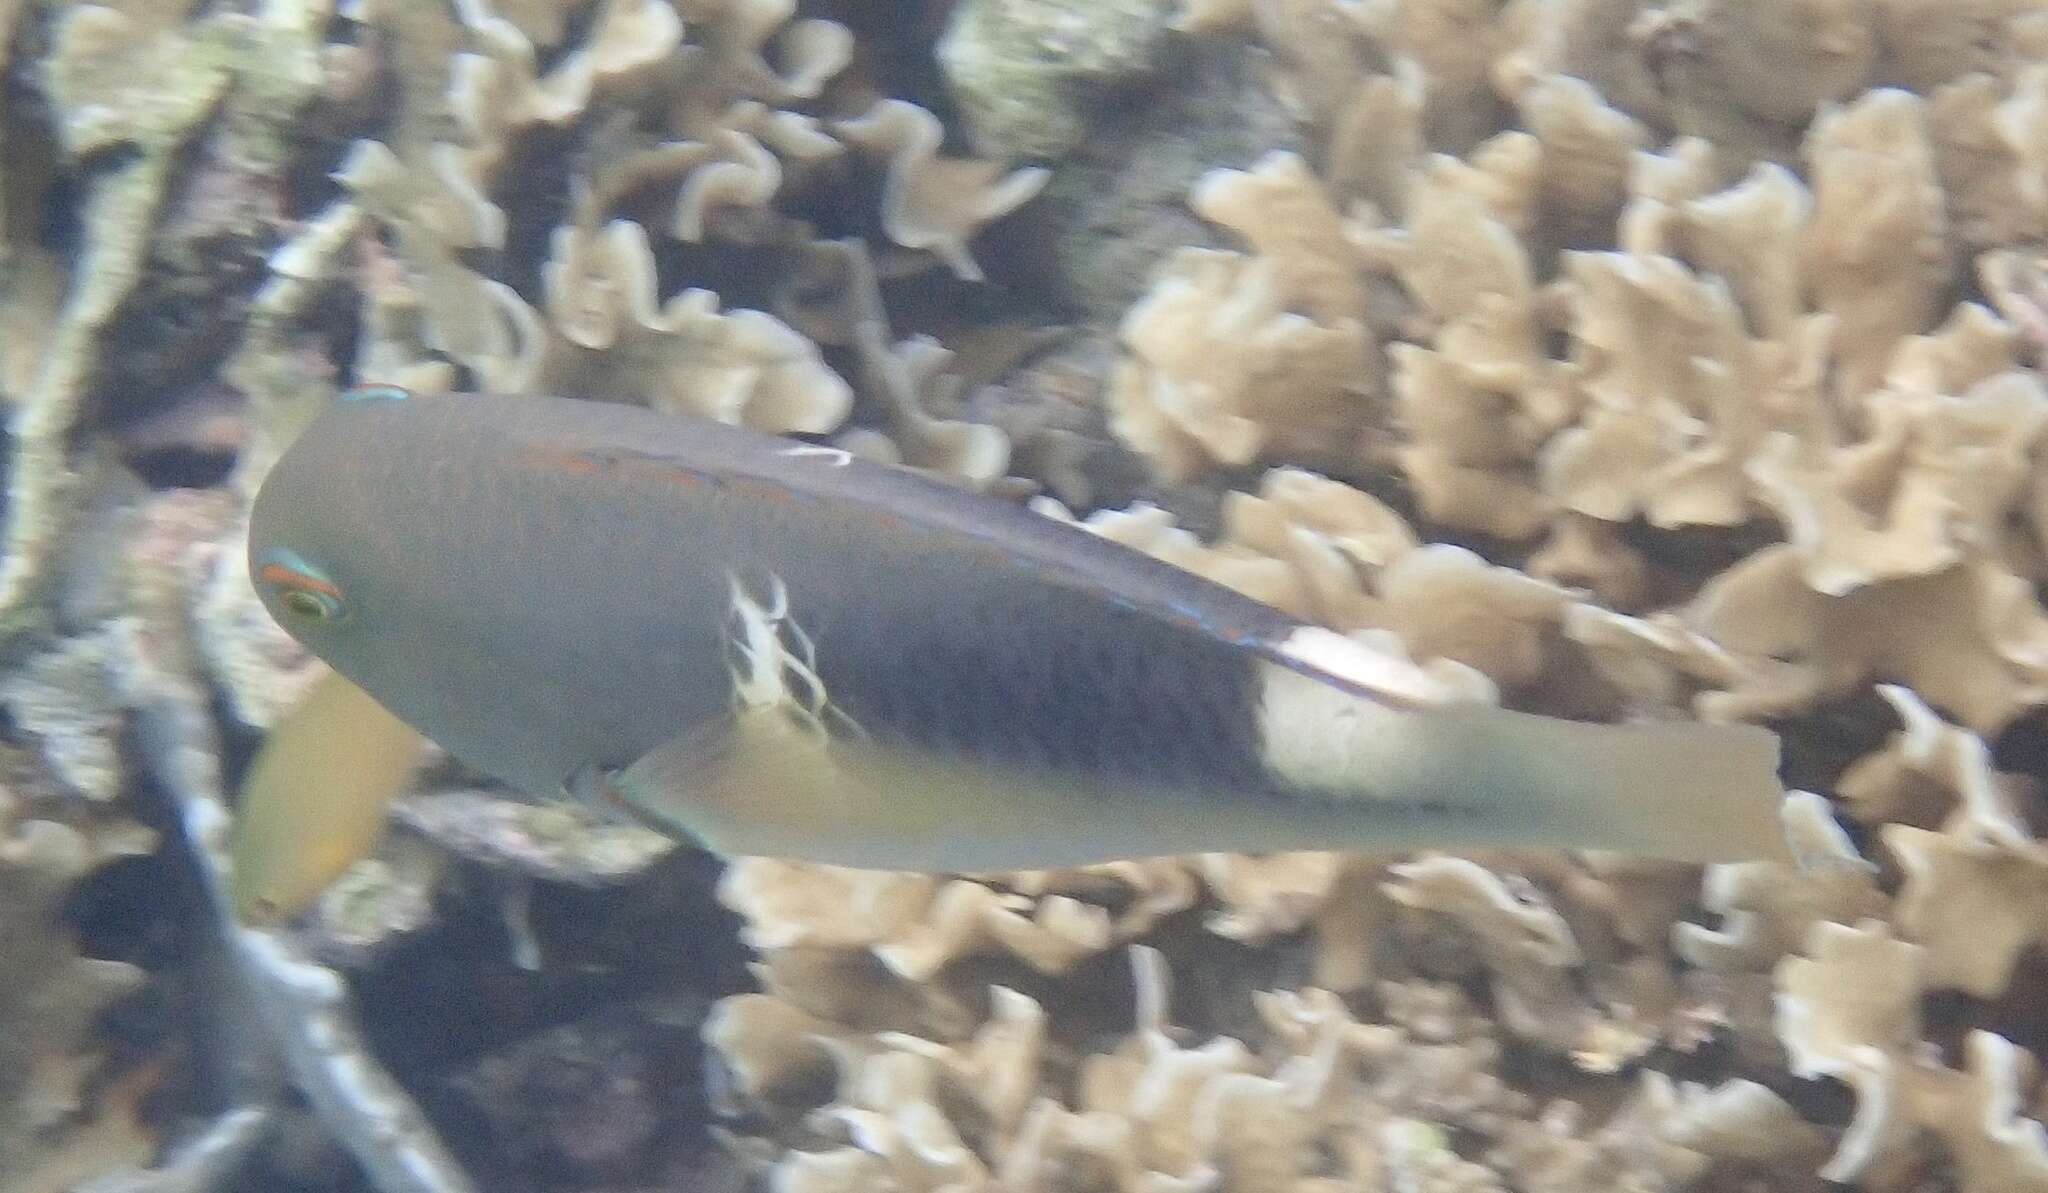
{"type": "Point", "coordinates": [1017, 675]}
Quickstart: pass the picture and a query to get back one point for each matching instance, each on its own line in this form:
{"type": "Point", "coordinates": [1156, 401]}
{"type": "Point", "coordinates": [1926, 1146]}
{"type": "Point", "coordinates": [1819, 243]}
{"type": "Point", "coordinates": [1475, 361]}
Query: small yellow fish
{"type": "Point", "coordinates": [315, 797]}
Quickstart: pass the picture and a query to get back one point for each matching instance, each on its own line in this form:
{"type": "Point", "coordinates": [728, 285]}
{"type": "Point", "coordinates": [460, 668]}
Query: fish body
{"type": "Point", "coordinates": [776, 648]}
{"type": "Point", "coordinates": [314, 797]}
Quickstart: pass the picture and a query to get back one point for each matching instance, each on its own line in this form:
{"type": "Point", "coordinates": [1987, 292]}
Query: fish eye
{"type": "Point", "coordinates": [310, 606]}
{"type": "Point", "coordinates": [306, 595]}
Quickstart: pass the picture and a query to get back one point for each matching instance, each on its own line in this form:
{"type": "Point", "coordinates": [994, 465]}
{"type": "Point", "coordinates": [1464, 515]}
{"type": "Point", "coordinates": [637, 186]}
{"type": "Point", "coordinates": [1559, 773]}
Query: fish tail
{"type": "Point", "coordinates": [1685, 791]}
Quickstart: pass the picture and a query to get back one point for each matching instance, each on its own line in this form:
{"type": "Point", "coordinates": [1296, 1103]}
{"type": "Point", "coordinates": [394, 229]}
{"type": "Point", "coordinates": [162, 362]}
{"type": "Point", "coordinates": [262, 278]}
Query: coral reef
{"type": "Point", "coordinates": [1613, 359]}
{"type": "Point", "coordinates": [51, 993]}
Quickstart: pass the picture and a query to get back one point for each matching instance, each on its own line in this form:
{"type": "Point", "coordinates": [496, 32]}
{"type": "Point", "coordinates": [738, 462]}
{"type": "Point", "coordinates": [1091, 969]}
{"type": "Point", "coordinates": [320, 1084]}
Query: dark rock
{"type": "Point", "coordinates": [1117, 203]}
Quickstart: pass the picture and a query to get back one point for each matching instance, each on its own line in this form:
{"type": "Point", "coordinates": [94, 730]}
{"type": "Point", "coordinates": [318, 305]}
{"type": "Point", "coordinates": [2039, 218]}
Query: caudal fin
{"type": "Point", "coordinates": [1686, 791]}
{"type": "Point", "coordinates": [1488, 776]}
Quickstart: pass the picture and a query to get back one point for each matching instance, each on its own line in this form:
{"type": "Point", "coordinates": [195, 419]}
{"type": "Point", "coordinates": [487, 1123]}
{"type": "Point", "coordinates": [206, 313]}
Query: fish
{"type": "Point", "coordinates": [314, 798]}
{"type": "Point", "coordinates": [768, 647]}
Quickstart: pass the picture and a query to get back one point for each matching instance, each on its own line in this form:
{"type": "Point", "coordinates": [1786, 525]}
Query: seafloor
{"type": "Point", "coordinates": [1627, 359]}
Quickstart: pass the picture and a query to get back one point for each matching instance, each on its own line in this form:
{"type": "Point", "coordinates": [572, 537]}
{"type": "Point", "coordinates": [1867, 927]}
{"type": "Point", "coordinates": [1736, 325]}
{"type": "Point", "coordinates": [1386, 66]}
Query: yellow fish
{"type": "Point", "coordinates": [315, 797]}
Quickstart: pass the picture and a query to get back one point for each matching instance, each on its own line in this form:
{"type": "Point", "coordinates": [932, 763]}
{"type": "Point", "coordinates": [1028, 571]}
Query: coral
{"type": "Point", "coordinates": [66, 701]}
{"type": "Point", "coordinates": [683, 355]}
{"type": "Point", "coordinates": [907, 380]}
{"type": "Point", "coordinates": [145, 80]}
{"type": "Point", "coordinates": [1595, 343]}
{"type": "Point", "coordinates": [550, 843]}
{"type": "Point", "coordinates": [50, 995]}
{"type": "Point", "coordinates": [1876, 255]}
{"type": "Point", "coordinates": [930, 201]}
{"type": "Point", "coordinates": [913, 924]}
{"type": "Point", "coordinates": [1610, 359]}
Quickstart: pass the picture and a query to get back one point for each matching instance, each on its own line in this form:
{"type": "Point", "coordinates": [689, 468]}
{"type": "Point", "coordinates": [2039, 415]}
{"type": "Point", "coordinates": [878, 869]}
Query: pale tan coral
{"type": "Point", "coordinates": [1978, 1115]}
{"type": "Point", "coordinates": [1669, 430]}
{"type": "Point", "coordinates": [1375, 139]}
{"type": "Point", "coordinates": [1973, 903]}
{"type": "Point", "coordinates": [933, 202]}
{"type": "Point", "coordinates": [1335, 1103]}
{"type": "Point", "coordinates": [1599, 41]}
{"type": "Point", "coordinates": [912, 380]}
{"type": "Point", "coordinates": [1929, 487]}
{"type": "Point", "coordinates": [1980, 649]}
{"type": "Point", "coordinates": [479, 322]}
{"type": "Point", "coordinates": [1150, 529]}
{"type": "Point", "coordinates": [1987, 133]}
{"type": "Point", "coordinates": [1972, 894]}
{"type": "Point", "coordinates": [2017, 283]}
{"type": "Point", "coordinates": [1927, 44]}
{"type": "Point", "coordinates": [1563, 1150]}
{"type": "Point", "coordinates": [1222, 369]}
{"type": "Point", "coordinates": [1590, 554]}
{"type": "Point", "coordinates": [767, 1047]}
{"type": "Point", "coordinates": [1459, 254]}
{"type": "Point", "coordinates": [739, 172]}
{"type": "Point", "coordinates": [1279, 209]}
{"type": "Point", "coordinates": [1446, 602]}
{"type": "Point", "coordinates": [1268, 896]}
{"type": "Point", "coordinates": [1774, 66]}
{"type": "Point", "coordinates": [1479, 401]}
{"type": "Point", "coordinates": [1925, 772]}
{"type": "Point", "coordinates": [1469, 459]}
{"type": "Point", "coordinates": [1516, 928]}
{"type": "Point", "coordinates": [1875, 252]}
{"type": "Point", "coordinates": [682, 355]}
{"type": "Point", "coordinates": [913, 377]}
{"type": "Point", "coordinates": [1972, 346]}
{"type": "Point", "coordinates": [1768, 909]}
{"type": "Point", "coordinates": [1588, 147]}
{"type": "Point", "coordinates": [1737, 1120]}
{"type": "Point", "coordinates": [1747, 236]}
{"type": "Point", "coordinates": [497, 89]}
{"type": "Point", "coordinates": [914, 925]}
{"type": "Point", "coordinates": [1848, 1009]}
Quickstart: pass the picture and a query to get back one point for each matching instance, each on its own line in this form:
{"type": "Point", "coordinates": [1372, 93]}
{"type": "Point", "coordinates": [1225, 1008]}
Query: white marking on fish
{"type": "Point", "coordinates": [1320, 737]}
{"type": "Point", "coordinates": [837, 457]}
{"type": "Point", "coordinates": [774, 664]}
{"type": "Point", "coordinates": [1353, 662]}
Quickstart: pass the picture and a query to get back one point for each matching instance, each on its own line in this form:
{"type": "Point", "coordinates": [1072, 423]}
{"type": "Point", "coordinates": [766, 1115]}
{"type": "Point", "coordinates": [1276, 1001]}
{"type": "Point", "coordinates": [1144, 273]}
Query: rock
{"type": "Point", "coordinates": [1029, 74]}
{"type": "Point", "coordinates": [1117, 203]}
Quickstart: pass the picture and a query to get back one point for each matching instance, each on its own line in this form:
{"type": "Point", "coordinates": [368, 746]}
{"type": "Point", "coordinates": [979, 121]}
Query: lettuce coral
{"type": "Point", "coordinates": [1614, 359]}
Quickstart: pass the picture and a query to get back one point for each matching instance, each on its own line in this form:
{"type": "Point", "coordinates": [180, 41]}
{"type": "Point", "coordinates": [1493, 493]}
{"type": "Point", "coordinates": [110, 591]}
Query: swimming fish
{"type": "Point", "coordinates": [770, 647]}
{"type": "Point", "coordinates": [314, 798]}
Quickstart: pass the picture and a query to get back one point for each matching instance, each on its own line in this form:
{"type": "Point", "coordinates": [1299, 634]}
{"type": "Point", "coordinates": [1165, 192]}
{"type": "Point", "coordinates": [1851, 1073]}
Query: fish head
{"type": "Point", "coordinates": [411, 543]}
{"type": "Point", "coordinates": [311, 522]}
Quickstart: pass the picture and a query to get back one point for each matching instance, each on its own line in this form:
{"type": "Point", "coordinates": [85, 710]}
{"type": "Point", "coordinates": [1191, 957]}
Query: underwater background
{"type": "Point", "coordinates": [1628, 359]}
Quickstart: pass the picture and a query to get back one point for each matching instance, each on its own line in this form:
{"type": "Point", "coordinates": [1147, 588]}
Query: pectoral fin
{"type": "Point", "coordinates": [314, 799]}
{"type": "Point", "coordinates": [763, 783]}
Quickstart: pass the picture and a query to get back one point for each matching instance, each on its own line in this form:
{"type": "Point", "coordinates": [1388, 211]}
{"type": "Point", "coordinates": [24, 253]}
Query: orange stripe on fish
{"type": "Point", "coordinates": [291, 577]}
